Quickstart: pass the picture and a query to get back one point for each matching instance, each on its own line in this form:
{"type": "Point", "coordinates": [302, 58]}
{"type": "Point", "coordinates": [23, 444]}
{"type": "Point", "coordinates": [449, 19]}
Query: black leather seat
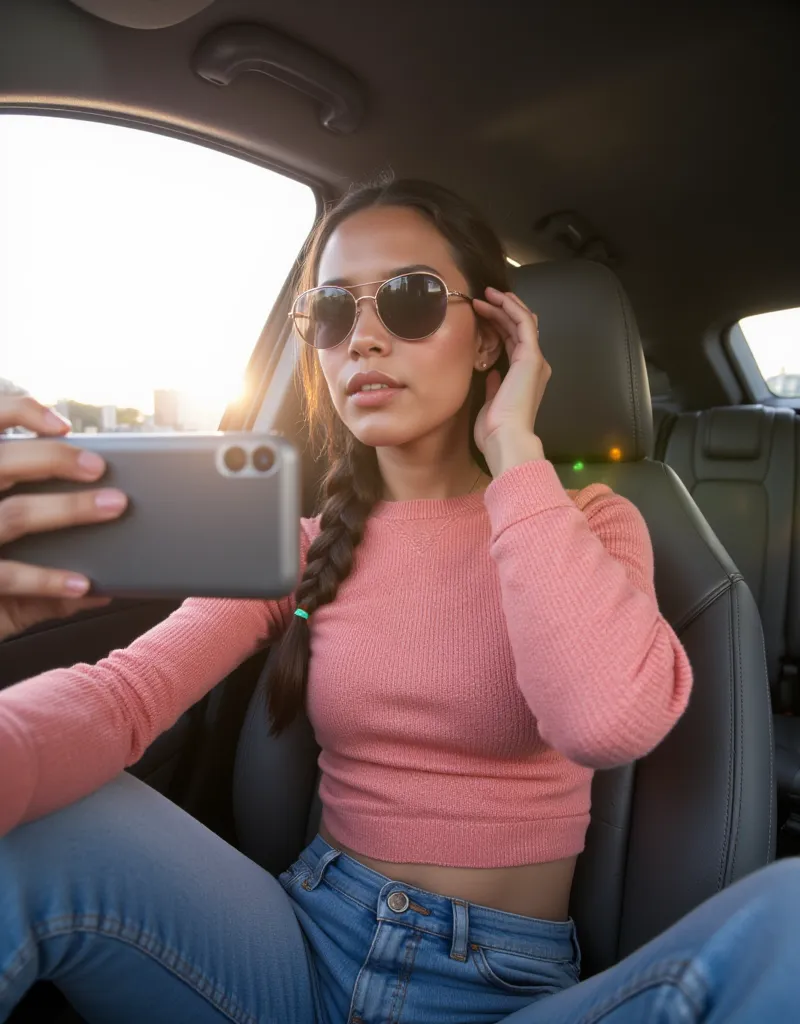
{"type": "Point", "coordinates": [698, 812]}
{"type": "Point", "coordinates": [793, 610]}
{"type": "Point", "coordinates": [739, 464]}
{"type": "Point", "coordinates": [787, 732]}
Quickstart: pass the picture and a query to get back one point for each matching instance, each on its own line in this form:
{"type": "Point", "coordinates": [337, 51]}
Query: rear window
{"type": "Point", "coordinates": [774, 340]}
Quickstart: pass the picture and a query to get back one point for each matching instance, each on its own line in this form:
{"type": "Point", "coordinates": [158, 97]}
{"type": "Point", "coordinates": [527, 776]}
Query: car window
{"type": "Point", "coordinates": [136, 270]}
{"type": "Point", "coordinates": [774, 340]}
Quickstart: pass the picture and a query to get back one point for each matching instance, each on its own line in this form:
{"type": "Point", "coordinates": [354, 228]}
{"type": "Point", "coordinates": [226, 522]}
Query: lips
{"type": "Point", "coordinates": [358, 380]}
{"type": "Point", "coordinates": [376, 399]}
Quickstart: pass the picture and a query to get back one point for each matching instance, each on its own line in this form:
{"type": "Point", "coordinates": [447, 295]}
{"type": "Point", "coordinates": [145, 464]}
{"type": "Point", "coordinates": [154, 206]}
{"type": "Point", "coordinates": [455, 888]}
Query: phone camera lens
{"type": "Point", "coordinates": [235, 459]}
{"type": "Point", "coordinates": [263, 459]}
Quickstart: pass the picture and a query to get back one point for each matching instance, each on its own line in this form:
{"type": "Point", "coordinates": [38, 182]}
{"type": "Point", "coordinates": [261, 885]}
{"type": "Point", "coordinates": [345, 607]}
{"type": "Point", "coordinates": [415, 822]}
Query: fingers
{"type": "Point", "coordinates": [501, 320]}
{"type": "Point", "coordinates": [24, 411]}
{"type": "Point", "coordinates": [35, 513]}
{"type": "Point", "coordinates": [516, 327]}
{"type": "Point", "coordinates": [22, 461]}
{"type": "Point", "coordinates": [27, 460]}
{"type": "Point", "coordinates": [515, 298]}
{"type": "Point", "coordinates": [515, 321]}
{"type": "Point", "coordinates": [20, 580]}
{"type": "Point", "coordinates": [515, 309]}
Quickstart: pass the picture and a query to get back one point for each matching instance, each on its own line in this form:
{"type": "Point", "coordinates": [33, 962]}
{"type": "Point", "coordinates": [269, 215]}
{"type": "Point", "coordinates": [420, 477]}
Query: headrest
{"type": "Point", "coordinates": [596, 407]}
{"type": "Point", "coordinates": [734, 433]}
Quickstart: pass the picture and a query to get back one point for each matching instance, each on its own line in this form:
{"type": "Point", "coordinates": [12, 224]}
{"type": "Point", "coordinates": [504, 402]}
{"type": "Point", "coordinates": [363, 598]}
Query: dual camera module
{"type": "Point", "coordinates": [237, 460]}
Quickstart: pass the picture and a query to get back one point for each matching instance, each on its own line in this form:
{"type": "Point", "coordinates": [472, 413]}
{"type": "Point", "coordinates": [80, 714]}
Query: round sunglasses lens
{"type": "Point", "coordinates": [413, 306]}
{"type": "Point", "coordinates": [323, 317]}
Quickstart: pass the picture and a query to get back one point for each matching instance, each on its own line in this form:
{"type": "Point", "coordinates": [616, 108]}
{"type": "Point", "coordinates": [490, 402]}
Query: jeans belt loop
{"type": "Point", "coordinates": [458, 949]}
{"type": "Point", "coordinates": [316, 875]}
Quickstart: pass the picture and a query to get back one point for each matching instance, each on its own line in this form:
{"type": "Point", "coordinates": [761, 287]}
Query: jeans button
{"type": "Point", "coordinates": [398, 902]}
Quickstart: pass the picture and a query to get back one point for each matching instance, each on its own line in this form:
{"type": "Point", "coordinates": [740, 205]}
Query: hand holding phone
{"type": "Point", "coordinates": [34, 593]}
{"type": "Point", "coordinates": [207, 515]}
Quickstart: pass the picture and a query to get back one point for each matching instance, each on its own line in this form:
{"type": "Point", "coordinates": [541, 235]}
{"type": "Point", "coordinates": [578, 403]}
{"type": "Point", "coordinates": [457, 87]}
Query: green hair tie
{"type": "Point", "coordinates": [301, 613]}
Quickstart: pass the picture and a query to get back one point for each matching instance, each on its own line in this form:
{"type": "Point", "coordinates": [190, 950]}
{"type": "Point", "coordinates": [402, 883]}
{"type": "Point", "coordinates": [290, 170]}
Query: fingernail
{"type": "Point", "coordinates": [76, 584]}
{"type": "Point", "coordinates": [110, 501]}
{"type": "Point", "coordinates": [52, 419]}
{"type": "Point", "coordinates": [90, 463]}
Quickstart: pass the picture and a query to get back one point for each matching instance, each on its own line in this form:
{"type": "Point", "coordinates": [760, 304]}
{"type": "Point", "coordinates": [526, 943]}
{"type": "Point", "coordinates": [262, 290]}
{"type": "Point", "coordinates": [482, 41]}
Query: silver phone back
{"type": "Point", "coordinates": [191, 528]}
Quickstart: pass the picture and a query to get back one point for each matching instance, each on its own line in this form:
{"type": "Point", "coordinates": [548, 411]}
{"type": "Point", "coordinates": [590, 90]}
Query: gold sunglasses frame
{"type": "Point", "coordinates": [294, 316]}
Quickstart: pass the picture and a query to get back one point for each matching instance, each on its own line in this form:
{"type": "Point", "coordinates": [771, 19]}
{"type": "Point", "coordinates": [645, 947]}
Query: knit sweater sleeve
{"type": "Point", "coordinates": [599, 666]}
{"type": "Point", "coordinates": [66, 732]}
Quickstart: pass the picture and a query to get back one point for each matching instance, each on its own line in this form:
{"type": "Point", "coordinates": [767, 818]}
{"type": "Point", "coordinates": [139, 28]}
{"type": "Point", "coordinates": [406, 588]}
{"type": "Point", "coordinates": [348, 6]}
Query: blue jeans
{"type": "Point", "coordinates": [139, 913]}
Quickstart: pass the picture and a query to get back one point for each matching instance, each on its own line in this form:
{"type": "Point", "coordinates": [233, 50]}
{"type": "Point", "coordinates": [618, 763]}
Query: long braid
{"type": "Point", "coordinates": [351, 488]}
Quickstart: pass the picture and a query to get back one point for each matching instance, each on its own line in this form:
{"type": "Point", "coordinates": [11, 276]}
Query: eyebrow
{"type": "Point", "coordinates": [343, 282]}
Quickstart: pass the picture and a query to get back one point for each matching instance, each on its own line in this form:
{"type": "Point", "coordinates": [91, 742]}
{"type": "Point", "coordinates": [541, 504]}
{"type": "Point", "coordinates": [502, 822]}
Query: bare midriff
{"type": "Point", "coordinates": [533, 890]}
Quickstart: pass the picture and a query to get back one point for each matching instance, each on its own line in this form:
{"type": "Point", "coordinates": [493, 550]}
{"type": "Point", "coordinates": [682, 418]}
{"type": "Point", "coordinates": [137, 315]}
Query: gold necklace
{"type": "Point", "coordinates": [480, 474]}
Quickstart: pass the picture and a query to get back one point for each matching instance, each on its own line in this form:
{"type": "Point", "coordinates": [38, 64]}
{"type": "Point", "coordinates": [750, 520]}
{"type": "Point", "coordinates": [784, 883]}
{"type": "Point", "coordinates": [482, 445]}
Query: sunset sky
{"type": "Point", "coordinates": [130, 261]}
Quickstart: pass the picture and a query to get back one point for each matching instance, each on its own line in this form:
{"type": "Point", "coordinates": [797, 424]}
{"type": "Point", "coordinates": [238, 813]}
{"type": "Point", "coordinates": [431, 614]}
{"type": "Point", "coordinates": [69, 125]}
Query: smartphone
{"type": "Point", "coordinates": [209, 515]}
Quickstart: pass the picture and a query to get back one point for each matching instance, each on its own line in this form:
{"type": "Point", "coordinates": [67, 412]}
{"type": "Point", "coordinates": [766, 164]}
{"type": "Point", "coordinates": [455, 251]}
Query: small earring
{"type": "Point", "coordinates": [483, 366]}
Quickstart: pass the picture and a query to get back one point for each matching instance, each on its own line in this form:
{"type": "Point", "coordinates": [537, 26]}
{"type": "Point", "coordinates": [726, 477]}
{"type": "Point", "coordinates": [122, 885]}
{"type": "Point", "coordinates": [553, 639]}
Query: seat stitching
{"type": "Point", "coordinates": [631, 389]}
{"type": "Point", "coordinates": [728, 791]}
{"type": "Point", "coordinates": [705, 602]}
{"type": "Point", "coordinates": [156, 950]}
{"type": "Point", "coordinates": [739, 752]}
{"type": "Point", "coordinates": [669, 473]}
{"type": "Point", "coordinates": [771, 749]}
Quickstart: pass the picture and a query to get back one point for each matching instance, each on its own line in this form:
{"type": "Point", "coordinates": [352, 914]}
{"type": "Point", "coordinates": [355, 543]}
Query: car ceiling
{"type": "Point", "coordinates": [671, 128]}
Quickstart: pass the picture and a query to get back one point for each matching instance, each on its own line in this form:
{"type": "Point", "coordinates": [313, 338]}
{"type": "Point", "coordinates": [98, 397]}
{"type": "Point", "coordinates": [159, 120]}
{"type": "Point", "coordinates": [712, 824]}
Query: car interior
{"type": "Point", "coordinates": [640, 166]}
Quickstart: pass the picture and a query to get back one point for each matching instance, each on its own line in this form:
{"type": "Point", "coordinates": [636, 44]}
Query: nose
{"type": "Point", "coordinates": [368, 334]}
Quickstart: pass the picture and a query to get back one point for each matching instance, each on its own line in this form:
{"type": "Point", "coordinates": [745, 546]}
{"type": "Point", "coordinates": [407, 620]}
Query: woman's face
{"type": "Point", "coordinates": [434, 374]}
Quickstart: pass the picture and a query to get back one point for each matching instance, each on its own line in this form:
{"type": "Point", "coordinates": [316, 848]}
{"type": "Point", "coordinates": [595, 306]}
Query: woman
{"type": "Point", "coordinates": [482, 640]}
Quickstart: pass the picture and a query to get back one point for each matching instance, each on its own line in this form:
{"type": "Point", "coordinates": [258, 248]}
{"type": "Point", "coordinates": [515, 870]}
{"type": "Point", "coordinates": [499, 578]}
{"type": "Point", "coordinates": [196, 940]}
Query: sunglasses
{"type": "Point", "coordinates": [412, 307]}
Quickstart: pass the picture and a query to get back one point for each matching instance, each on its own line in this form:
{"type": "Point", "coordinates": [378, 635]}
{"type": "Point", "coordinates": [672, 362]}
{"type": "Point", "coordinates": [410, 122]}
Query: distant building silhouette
{"type": "Point", "coordinates": [167, 409]}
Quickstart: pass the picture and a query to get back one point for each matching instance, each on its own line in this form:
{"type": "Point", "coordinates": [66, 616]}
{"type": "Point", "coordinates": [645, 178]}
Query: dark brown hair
{"type": "Point", "coordinates": [353, 484]}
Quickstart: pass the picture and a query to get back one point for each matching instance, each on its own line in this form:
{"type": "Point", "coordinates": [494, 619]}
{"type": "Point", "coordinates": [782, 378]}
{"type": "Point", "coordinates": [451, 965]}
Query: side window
{"type": "Point", "coordinates": [136, 270]}
{"type": "Point", "coordinates": [774, 340]}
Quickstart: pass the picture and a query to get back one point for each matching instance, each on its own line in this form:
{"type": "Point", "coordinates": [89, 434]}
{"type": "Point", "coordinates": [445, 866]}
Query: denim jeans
{"type": "Point", "coordinates": [139, 913]}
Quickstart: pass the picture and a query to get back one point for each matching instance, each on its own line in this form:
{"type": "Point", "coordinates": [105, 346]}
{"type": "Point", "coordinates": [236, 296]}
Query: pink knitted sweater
{"type": "Point", "coordinates": [484, 656]}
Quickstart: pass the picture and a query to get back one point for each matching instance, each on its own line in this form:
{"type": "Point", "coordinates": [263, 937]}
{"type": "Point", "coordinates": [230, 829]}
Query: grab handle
{"type": "Point", "coordinates": [231, 50]}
